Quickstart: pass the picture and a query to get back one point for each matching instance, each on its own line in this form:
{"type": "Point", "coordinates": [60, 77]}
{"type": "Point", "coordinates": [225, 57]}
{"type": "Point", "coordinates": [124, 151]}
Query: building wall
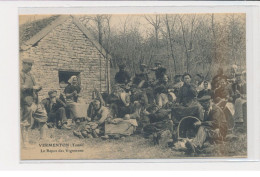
{"type": "Point", "coordinates": [66, 48]}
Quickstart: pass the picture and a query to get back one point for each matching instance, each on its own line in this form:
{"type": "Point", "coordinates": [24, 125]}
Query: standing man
{"type": "Point", "coordinates": [159, 70]}
{"type": "Point", "coordinates": [27, 83]}
{"type": "Point", "coordinates": [28, 95]}
{"type": "Point", "coordinates": [141, 79]}
{"type": "Point", "coordinates": [213, 127]}
{"type": "Point", "coordinates": [122, 77]}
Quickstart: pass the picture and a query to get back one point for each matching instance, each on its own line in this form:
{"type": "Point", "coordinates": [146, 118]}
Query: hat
{"type": "Point", "coordinates": [28, 61]}
{"type": "Point", "coordinates": [51, 92]}
{"type": "Point", "coordinates": [144, 65]}
{"type": "Point", "coordinates": [205, 98]}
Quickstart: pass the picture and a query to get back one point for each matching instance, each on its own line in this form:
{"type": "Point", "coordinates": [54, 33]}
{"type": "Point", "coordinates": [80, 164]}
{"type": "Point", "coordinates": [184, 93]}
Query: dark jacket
{"type": "Point", "coordinates": [187, 94]}
{"type": "Point", "coordinates": [139, 77]}
{"type": "Point", "coordinates": [159, 72]}
{"type": "Point", "coordinates": [47, 105]}
{"type": "Point", "coordinates": [122, 77]}
{"type": "Point", "coordinates": [215, 119]}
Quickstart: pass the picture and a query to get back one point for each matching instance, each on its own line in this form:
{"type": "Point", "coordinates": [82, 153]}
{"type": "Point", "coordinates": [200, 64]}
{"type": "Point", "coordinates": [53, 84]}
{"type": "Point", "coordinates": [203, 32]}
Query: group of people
{"type": "Point", "coordinates": [139, 104]}
{"type": "Point", "coordinates": [48, 113]}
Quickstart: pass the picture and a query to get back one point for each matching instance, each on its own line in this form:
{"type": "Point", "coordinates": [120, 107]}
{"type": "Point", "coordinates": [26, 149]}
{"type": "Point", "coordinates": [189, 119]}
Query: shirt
{"type": "Point", "coordinates": [101, 115]}
{"type": "Point", "coordinates": [27, 82]}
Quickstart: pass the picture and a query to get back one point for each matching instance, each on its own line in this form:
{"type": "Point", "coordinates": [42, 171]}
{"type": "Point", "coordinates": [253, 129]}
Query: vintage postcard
{"type": "Point", "coordinates": [133, 86]}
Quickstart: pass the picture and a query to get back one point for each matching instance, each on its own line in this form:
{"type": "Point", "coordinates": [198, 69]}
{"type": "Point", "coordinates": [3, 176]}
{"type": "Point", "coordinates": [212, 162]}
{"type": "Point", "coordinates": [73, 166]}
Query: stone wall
{"type": "Point", "coordinates": [66, 48]}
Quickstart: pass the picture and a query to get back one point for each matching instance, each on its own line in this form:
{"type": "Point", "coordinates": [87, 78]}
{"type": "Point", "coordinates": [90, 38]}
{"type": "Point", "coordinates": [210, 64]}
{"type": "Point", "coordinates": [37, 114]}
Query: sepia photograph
{"type": "Point", "coordinates": [133, 86]}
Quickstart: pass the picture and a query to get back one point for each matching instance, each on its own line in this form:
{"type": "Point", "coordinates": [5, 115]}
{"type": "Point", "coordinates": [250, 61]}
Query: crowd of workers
{"type": "Point", "coordinates": [138, 104]}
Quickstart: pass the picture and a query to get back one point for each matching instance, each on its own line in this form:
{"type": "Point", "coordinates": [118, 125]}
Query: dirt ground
{"type": "Point", "coordinates": [132, 147]}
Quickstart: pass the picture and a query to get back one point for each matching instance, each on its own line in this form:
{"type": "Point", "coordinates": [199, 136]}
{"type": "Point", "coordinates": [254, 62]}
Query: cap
{"type": "Point", "coordinates": [204, 98]}
{"type": "Point", "coordinates": [28, 61]}
{"type": "Point", "coordinates": [143, 65]}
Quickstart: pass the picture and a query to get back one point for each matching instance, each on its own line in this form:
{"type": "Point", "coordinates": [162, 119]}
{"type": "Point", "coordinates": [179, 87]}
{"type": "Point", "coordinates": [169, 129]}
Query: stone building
{"type": "Point", "coordinates": [61, 46]}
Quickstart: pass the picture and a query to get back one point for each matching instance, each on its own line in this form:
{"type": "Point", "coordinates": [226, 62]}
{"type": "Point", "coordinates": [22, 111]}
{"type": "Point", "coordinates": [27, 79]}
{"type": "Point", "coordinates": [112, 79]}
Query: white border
{"type": "Point", "coordinates": [9, 135]}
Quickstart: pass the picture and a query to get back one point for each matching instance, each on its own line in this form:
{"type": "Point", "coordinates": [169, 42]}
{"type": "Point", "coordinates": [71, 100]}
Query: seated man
{"type": "Point", "coordinates": [55, 109]}
{"type": "Point", "coordinates": [187, 104]}
{"type": "Point", "coordinates": [178, 83]}
{"type": "Point", "coordinates": [213, 127]}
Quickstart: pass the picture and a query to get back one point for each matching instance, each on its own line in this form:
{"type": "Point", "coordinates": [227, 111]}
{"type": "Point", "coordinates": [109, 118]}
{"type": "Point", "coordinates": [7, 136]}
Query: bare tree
{"type": "Point", "coordinates": [169, 32]}
{"type": "Point", "coordinates": [156, 23]}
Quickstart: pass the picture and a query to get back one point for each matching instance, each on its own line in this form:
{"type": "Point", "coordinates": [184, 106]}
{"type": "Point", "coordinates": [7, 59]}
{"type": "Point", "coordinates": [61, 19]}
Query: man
{"type": "Point", "coordinates": [187, 104]}
{"type": "Point", "coordinates": [239, 98]}
{"type": "Point", "coordinates": [178, 83]}
{"type": "Point", "coordinates": [28, 85]}
{"type": "Point", "coordinates": [159, 70]}
{"type": "Point", "coordinates": [122, 77]}
{"type": "Point", "coordinates": [187, 93]}
{"type": "Point", "coordinates": [31, 112]}
{"type": "Point", "coordinates": [212, 128]}
{"type": "Point", "coordinates": [142, 79]}
{"type": "Point", "coordinates": [55, 109]}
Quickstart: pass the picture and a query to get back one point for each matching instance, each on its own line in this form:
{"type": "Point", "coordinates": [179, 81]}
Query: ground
{"type": "Point", "coordinates": [133, 147]}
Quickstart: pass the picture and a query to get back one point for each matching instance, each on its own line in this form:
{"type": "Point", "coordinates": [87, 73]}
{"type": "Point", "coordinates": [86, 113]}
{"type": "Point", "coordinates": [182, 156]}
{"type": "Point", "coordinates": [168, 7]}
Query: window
{"type": "Point", "coordinates": [64, 76]}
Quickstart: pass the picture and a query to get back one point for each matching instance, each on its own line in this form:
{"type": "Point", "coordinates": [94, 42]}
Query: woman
{"type": "Point", "coordinates": [76, 110]}
{"type": "Point", "coordinates": [72, 90]}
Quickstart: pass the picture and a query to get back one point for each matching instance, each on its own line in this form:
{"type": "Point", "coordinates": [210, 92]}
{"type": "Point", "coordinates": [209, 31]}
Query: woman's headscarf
{"type": "Point", "coordinates": [71, 79]}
